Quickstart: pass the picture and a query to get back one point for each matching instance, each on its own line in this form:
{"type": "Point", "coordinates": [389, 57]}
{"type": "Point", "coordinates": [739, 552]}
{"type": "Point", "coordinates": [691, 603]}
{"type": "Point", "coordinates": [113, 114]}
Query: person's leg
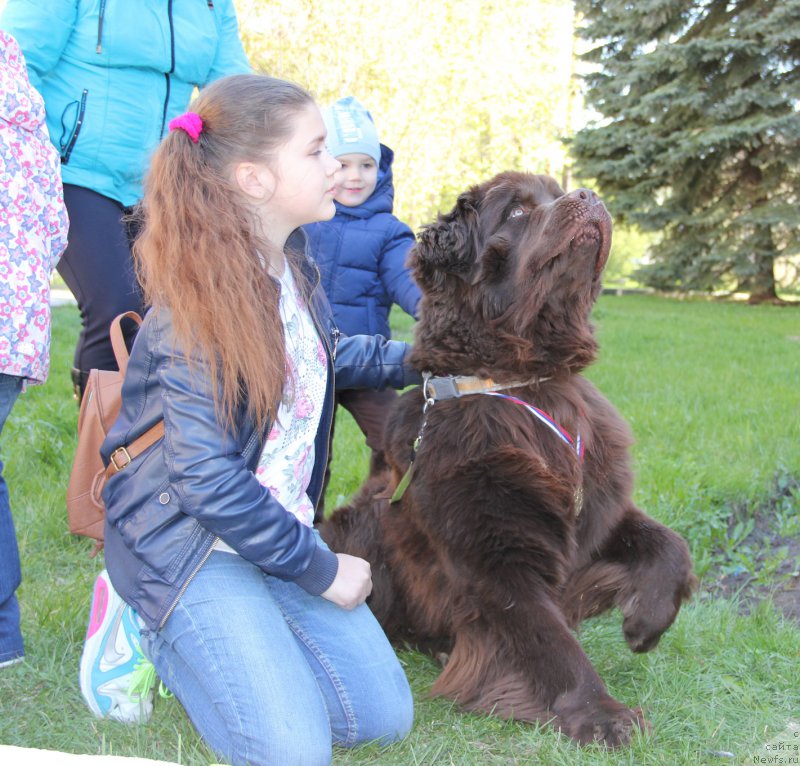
{"type": "Point", "coordinates": [11, 645]}
{"type": "Point", "coordinates": [229, 657]}
{"type": "Point", "coordinates": [370, 409]}
{"type": "Point", "coordinates": [270, 674]}
{"type": "Point", "coordinates": [362, 682]}
{"type": "Point", "coordinates": [98, 268]}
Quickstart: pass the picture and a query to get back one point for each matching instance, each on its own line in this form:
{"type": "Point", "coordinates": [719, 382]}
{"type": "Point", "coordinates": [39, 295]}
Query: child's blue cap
{"type": "Point", "coordinates": [351, 130]}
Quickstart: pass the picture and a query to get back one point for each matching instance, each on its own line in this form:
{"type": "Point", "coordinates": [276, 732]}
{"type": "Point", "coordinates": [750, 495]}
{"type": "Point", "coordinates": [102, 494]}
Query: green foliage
{"type": "Point", "coordinates": [460, 91]}
{"type": "Point", "coordinates": [698, 134]}
{"type": "Point", "coordinates": [629, 249]}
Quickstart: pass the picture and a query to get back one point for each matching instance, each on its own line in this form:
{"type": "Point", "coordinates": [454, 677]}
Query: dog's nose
{"type": "Point", "coordinates": [585, 195]}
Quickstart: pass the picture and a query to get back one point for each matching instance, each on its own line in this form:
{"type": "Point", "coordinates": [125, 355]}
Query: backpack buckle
{"type": "Point", "coordinates": [123, 454]}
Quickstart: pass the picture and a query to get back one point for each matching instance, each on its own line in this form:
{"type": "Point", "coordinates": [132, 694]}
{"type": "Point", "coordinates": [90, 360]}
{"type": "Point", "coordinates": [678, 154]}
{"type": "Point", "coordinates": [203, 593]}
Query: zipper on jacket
{"type": "Point", "coordinates": [66, 148]}
{"type": "Point", "coordinates": [171, 38]}
{"type": "Point", "coordinates": [336, 334]}
{"type": "Point", "coordinates": [171, 67]}
{"type": "Point", "coordinates": [331, 336]}
{"type": "Point", "coordinates": [191, 577]}
{"type": "Point", "coordinates": [99, 48]}
{"type": "Point", "coordinates": [330, 385]}
{"type": "Point", "coordinates": [166, 103]}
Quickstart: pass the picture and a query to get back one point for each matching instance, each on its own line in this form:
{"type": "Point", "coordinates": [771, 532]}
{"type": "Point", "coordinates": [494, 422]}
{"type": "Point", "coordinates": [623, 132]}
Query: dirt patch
{"type": "Point", "coordinates": [751, 589]}
{"type": "Point", "coordinates": [761, 557]}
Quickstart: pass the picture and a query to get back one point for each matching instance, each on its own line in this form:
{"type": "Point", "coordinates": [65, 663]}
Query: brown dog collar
{"type": "Point", "coordinates": [437, 388]}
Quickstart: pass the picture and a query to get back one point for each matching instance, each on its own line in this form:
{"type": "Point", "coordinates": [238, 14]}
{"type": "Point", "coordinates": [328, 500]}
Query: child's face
{"type": "Point", "coordinates": [302, 178]}
{"type": "Point", "coordinates": [356, 180]}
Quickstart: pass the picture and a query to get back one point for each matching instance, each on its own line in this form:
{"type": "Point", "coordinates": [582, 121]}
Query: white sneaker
{"type": "Point", "coordinates": [110, 656]}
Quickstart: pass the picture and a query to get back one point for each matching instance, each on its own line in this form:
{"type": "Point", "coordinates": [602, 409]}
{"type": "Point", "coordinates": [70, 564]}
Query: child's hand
{"type": "Point", "coordinates": [352, 584]}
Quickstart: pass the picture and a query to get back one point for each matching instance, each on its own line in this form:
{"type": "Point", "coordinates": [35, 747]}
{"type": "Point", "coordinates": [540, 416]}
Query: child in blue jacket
{"type": "Point", "coordinates": [361, 254]}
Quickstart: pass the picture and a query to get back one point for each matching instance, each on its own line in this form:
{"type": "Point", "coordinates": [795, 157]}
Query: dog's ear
{"type": "Point", "coordinates": [450, 244]}
{"type": "Point", "coordinates": [494, 260]}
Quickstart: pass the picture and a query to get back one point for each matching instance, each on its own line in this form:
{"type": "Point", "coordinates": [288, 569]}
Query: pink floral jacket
{"type": "Point", "coordinates": [33, 220]}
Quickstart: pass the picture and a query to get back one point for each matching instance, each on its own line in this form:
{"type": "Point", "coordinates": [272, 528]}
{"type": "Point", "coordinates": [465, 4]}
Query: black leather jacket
{"type": "Point", "coordinates": [165, 510]}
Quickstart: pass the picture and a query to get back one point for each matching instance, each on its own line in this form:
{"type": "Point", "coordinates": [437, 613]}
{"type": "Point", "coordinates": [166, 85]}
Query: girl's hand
{"type": "Point", "coordinates": [352, 584]}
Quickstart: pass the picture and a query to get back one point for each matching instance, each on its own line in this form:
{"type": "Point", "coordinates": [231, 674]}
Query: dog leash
{"type": "Point", "coordinates": [542, 416]}
{"type": "Point", "coordinates": [576, 443]}
{"type": "Point", "coordinates": [453, 387]}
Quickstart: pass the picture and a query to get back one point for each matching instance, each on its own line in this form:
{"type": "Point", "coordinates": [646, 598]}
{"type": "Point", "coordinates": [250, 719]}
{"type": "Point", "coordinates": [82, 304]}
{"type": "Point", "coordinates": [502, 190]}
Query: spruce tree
{"type": "Point", "coordinates": [697, 134]}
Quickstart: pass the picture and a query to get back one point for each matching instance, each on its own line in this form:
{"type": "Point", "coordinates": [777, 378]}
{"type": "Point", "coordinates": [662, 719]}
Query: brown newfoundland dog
{"type": "Point", "coordinates": [516, 521]}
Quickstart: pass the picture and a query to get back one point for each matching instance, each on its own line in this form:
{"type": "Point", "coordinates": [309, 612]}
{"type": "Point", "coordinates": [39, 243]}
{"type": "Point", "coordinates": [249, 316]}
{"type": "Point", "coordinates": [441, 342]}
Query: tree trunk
{"type": "Point", "coordinates": [761, 283]}
{"type": "Point", "coordinates": [766, 296]}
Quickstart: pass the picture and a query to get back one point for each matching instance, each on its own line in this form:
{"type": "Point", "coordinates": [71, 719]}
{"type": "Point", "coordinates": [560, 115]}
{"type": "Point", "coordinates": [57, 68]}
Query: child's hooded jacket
{"type": "Point", "coordinates": [361, 254]}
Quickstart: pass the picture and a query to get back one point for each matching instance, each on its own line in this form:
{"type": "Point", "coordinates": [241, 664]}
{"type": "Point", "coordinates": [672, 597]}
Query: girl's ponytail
{"type": "Point", "coordinates": [200, 253]}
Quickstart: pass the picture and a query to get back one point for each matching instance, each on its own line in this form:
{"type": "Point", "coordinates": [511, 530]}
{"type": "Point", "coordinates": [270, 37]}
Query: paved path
{"type": "Point", "coordinates": [61, 297]}
{"type": "Point", "coordinates": [23, 756]}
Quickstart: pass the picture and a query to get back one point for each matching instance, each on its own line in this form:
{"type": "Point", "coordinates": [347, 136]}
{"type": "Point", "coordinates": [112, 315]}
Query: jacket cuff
{"type": "Point", "coordinates": [411, 376]}
{"type": "Point", "coordinates": [321, 572]}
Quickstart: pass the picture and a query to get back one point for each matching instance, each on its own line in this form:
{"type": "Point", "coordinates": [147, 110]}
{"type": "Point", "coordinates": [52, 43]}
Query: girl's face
{"type": "Point", "coordinates": [304, 179]}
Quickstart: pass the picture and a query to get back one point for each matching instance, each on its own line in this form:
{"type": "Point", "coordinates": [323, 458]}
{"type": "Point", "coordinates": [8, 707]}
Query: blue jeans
{"type": "Point", "coordinates": [269, 674]}
{"type": "Point", "coordinates": [11, 645]}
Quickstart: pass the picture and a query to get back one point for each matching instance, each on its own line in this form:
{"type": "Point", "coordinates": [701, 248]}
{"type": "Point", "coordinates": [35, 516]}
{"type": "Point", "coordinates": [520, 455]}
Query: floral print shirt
{"type": "Point", "coordinates": [287, 458]}
{"type": "Point", "coordinates": [33, 220]}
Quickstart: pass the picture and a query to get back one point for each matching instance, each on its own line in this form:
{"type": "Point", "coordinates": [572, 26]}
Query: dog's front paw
{"type": "Point", "coordinates": [644, 626]}
{"type": "Point", "coordinates": [605, 721]}
{"type": "Point", "coordinates": [643, 634]}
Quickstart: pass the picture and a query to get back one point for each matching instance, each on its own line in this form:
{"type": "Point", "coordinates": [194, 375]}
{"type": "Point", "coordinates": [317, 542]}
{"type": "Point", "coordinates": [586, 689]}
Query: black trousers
{"type": "Point", "coordinates": [98, 268]}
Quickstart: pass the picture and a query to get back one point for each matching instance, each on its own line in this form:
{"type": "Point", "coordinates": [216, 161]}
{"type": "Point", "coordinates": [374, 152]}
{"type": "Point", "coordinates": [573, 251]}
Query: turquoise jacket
{"type": "Point", "coordinates": [114, 72]}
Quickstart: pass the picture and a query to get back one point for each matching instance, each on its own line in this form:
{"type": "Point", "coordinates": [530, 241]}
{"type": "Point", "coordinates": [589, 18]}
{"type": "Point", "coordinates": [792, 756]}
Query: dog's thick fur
{"type": "Point", "coordinates": [505, 539]}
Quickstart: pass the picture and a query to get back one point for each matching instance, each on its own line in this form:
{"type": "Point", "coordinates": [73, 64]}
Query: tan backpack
{"type": "Point", "coordinates": [100, 405]}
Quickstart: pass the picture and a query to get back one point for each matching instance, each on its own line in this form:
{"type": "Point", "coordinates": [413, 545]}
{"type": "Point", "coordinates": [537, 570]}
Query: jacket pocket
{"type": "Point", "coordinates": [157, 531]}
{"type": "Point", "coordinates": [71, 123]}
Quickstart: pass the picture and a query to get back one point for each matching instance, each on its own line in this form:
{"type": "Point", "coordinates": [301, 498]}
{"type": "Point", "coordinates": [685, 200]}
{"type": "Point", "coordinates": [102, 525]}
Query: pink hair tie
{"type": "Point", "coordinates": [189, 122]}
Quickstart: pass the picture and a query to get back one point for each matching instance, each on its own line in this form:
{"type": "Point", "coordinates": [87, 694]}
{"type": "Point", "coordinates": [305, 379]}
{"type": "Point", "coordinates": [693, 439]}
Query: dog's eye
{"type": "Point", "coordinates": [517, 211]}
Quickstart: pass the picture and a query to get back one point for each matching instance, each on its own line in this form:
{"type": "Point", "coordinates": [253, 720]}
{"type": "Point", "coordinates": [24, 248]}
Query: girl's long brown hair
{"type": "Point", "coordinates": [200, 253]}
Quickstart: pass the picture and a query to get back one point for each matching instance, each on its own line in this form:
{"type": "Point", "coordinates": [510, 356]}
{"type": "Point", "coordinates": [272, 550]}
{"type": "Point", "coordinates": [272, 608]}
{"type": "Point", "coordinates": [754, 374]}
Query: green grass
{"type": "Point", "coordinates": [711, 392]}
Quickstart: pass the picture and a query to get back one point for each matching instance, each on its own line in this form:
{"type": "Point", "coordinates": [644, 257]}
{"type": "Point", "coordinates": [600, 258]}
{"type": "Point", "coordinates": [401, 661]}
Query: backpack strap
{"type": "Point", "coordinates": [118, 340]}
{"type": "Point", "coordinates": [123, 455]}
